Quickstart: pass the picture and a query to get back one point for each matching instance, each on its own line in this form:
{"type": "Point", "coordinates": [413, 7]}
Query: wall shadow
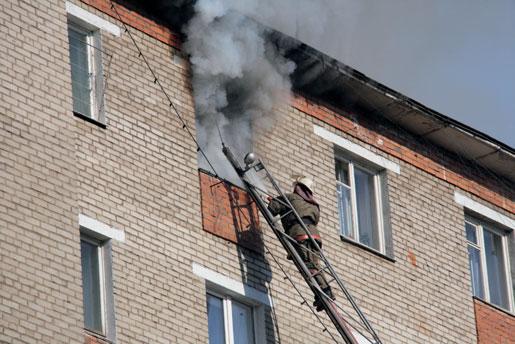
{"type": "Point", "coordinates": [230, 213]}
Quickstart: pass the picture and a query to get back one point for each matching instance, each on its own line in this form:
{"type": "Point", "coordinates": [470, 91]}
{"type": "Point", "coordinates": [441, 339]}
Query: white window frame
{"type": "Point", "coordinates": [94, 68]}
{"type": "Point", "coordinates": [103, 234]}
{"type": "Point", "coordinates": [91, 24]}
{"type": "Point", "coordinates": [218, 284]}
{"type": "Point", "coordinates": [479, 225]}
{"type": "Point", "coordinates": [101, 271]}
{"type": "Point", "coordinates": [378, 199]}
{"type": "Point", "coordinates": [227, 301]}
{"type": "Point", "coordinates": [381, 165]}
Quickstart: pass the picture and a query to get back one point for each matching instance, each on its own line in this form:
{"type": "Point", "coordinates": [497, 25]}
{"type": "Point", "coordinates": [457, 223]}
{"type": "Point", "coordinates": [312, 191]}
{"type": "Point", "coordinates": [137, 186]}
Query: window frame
{"type": "Point", "coordinates": [480, 225]}
{"type": "Point", "coordinates": [106, 235]}
{"type": "Point", "coordinates": [94, 68]}
{"type": "Point", "coordinates": [378, 181]}
{"type": "Point", "coordinates": [93, 23]}
{"type": "Point", "coordinates": [227, 301]}
{"type": "Point", "coordinates": [100, 250]}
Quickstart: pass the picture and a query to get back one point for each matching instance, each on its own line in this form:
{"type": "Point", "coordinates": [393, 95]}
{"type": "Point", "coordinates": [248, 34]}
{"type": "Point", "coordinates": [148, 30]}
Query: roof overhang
{"type": "Point", "coordinates": [322, 77]}
{"type": "Point", "coordinates": [325, 78]}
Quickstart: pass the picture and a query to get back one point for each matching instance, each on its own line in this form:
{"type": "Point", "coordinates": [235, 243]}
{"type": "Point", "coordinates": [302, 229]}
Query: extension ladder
{"type": "Point", "coordinates": [349, 332]}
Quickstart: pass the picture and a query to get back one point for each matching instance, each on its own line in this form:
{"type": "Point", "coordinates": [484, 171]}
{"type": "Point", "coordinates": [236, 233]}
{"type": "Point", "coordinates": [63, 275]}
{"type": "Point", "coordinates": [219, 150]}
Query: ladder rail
{"type": "Point", "coordinates": [329, 305]}
{"type": "Point", "coordinates": [322, 256]}
{"type": "Point", "coordinates": [361, 325]}
{"type": "Point", "coordinates": [339, 323]}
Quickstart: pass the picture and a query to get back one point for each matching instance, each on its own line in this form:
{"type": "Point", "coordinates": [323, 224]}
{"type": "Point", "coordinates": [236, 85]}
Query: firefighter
{"type": "Point", "coordinates": [309, 211]}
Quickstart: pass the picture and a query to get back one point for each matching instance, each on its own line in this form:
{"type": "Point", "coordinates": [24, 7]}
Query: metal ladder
{"type": "Point", "coordinates": [333, 310]}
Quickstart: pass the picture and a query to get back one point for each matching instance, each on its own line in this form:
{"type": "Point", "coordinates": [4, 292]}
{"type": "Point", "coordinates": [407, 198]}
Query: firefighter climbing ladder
{"type": "Point", "coordinates": [288, 243]}
{"type": "Point", "coordinates": [347, 330]}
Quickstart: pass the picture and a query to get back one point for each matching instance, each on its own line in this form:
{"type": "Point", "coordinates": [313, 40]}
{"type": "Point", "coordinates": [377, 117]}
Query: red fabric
{"type": "Point", "coordinates": [303, 237]}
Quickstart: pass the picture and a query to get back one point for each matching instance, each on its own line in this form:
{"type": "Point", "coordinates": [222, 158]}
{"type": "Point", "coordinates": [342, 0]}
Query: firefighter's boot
{"type": "Point", "coordinates": [318, 303]}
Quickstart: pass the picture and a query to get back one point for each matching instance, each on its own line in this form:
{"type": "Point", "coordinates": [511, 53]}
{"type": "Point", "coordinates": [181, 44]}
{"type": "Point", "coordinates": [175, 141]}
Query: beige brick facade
{"type": "Point", "coordinates": [140, 175]}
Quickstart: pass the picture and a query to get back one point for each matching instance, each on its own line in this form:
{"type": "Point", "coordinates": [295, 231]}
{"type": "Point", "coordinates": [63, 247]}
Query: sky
{"type": "Point", "coordinates": [456, 57]}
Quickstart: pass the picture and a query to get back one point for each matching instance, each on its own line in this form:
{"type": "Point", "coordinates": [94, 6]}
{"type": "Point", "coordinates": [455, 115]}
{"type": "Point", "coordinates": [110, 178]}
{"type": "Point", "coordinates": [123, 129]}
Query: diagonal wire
{"type": "Point", "coordinates": [158, 82]}
{"type": "Point", "coordinates": [269, 252]}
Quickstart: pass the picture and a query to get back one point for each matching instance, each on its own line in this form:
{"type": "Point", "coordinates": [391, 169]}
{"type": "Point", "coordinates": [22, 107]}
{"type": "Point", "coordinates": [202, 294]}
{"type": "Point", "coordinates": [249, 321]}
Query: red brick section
{"type": "Point", "coordinates": [412, 258]}
{"type": "Point", "coordinates": [228, 212]}
{"type": "Point", "coordinates": [433, 164]}
{"type": "Point", "coordinates": [89, 339]}
{"type": "Point", "coordinates": [137, 21]}
{"type": "Point", "coordinates": [493, 326]}
{"type": "Point", "coordinates": [403, 150]}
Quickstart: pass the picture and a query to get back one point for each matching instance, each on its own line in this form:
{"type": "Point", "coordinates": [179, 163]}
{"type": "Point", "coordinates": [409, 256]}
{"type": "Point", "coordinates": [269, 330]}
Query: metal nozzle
{"type": "Point", "coordinates": [249, 159]}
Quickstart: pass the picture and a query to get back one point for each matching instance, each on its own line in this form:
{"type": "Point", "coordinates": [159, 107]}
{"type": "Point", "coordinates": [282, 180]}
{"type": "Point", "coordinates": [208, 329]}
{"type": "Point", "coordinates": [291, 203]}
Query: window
{"type": "Point", "coordinates": [96, 240]}
{"type": "Point", "coordinates": [360, 207]}
{"type": "Point", "coordinates": [86, 70]}
{"type": "Point", "coordinates": [97, 285]}
{"type": "Point", "coordinates": [92, 284]}
{"type": "Point", "coordinates": [87, 67]}
{"type": "Point", "coordinates": [229, 321]}
{"type": "Point", "coordinates": [489, 262]}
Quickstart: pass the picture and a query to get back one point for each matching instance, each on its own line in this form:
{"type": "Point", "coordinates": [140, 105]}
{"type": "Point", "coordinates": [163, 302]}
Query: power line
{"type": "Point", "coordinates": [156, 80]}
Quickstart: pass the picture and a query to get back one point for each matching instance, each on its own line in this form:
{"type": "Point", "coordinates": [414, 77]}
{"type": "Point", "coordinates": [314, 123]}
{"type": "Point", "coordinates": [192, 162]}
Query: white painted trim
{"type": "Point", "coordinates": [101, 228]}
{"type": "Point", "coordinates": [357, 149]}
{"type": "Point", "coordinates": [92, 19]}
{"type": "Point", "coordinates": [231, 285]}
{"type": "Point", "coordinates": [484, 268]}
{"type": "Point", "coordinates": [229, 334]}
{"type": "Point", "coordinates": [483, 210]}
{"type": "Point", "coordinates": [507, 271]}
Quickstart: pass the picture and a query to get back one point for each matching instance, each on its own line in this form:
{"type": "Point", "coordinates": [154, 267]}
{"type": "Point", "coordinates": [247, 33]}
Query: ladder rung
{"type": "Point", "coordinates": [331, 280]}
{"type": "Point", "coordinates": [318, 272]}
{"type": "Point", "coordinates": [285, 214]}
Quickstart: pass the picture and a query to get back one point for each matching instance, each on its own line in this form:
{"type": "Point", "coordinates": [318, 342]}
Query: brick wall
{"type": "Point", "coordinates": [40, 280]}
{"type": "Point", "coordinates": [415, 151]}
{"type": "Point", "coordinates": [140, 174]}
{"type": "Point", "coordinates": [425, 302]}
{"type": "Point", "coordinates": [136, 21]}
{"type": "Point", "coordinates": [493, 326]}
{"type": "Point", "coordinates": [229, 212]}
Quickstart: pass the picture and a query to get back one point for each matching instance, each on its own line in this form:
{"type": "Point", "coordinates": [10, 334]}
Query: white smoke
{"type": "Point", "coordinates": [238, 78]}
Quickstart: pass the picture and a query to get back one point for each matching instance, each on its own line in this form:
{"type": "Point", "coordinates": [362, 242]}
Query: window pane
{"type": "Point", "coordinates": [471, 232]}
{"type": "Point", "coordinates": [345, 210]}
{"type": "Point", "coordinates": [367, 214]}
{"type": "Point", "coordinates": [91, 286]}
{"type": "Point", "coordinates": [79, 60]}
{"type": "Point", "coordinates": [215, 320]}
{"type": "Point", "coordinates": [242, 322]}
{"type": "Point", "coordinates": [495, 268]}
{"type": "Point", "coordinates": [475, 272]}
{"type": "Point", "coordinates": [342, 172]}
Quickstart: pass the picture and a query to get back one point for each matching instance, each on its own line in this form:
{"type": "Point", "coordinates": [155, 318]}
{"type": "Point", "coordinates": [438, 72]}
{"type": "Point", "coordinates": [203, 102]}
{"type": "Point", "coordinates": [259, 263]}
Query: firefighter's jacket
{"type": "Point", "coordinates": [309, 212]}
